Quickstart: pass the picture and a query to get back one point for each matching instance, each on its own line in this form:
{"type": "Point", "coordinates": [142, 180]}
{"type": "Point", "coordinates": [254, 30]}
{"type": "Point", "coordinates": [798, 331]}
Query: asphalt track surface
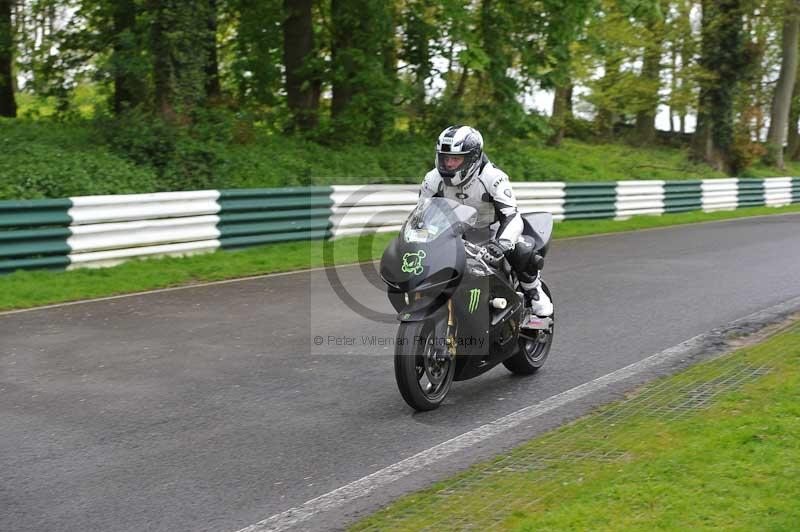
{"type": "Point", "coordinates": [211, 408]}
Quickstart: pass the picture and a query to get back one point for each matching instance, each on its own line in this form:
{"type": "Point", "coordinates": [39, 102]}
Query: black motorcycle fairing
{"type": "Point", "coordinates": [487, 335]}
{"type": "Point", "coordinates": [408, 267]}
{"type": "Point", "coordinates": [420, 306]}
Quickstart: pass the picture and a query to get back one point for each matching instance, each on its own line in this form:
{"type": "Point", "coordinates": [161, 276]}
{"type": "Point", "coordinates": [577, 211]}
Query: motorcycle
{"type": "Point", "coordinates": [459, 316]}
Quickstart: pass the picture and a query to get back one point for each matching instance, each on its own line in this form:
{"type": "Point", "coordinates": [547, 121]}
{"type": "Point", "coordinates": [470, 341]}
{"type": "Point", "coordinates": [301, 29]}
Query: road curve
{"type": "Point", "coordinates": [212, 408]}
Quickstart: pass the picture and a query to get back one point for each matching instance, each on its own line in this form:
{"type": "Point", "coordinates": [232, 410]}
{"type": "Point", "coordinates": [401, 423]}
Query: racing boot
{"type": "Point", "coordinates": [539, 301]}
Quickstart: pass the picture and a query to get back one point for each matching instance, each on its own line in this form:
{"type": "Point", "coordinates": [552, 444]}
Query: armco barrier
{"type": "Point", "coordinates": [751, 193]}
{"type": "Point", "coordinates": [634, 198]}
{"type": "Point", "coordinates": [251, 217]}
{"type": "Point", "coordinates": [33, 234]}
{"type": "Point", "coordinates": [92, 231]}
{"type": "Point", "coordinates": [683, 196]}
{"type": "Point", "coordinates": [778, 191]}
{"type": "Point", "coordinates": [107, 230]}
{"type": "Point", "coordinates": [590, 200]}
{"type": "Point", "coordinates": [720, 194]}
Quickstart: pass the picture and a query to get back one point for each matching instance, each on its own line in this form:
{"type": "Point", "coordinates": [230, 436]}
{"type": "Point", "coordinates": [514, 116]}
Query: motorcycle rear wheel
{"type": "Point", "coordinates": [423, 368]}
{"type": "Point", "coordinates": [532, 351]}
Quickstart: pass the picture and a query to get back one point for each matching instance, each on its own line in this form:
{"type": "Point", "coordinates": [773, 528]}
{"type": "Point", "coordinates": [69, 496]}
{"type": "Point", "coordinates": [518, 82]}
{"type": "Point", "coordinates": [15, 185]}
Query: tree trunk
{"type": "Point", "coordinates": [462, 83]}
{"type": "Point", "coordinates": [128, 86]}
{"type": "Point", "coordinates": [383, 121]}
{"type": "Point", "coordinates": [162, 63]}
{"type": "Point", "coordinates": [782, 98]}
{"type": "Point", "coordinates": [8, 105]}
{"type": "Point", "coordinates": [651, 71]}
{"type": "Point", "coordinates": [673, 82]}
{"type": "Point", "coordinates": [605, 118]}
{"type": "Point", "coordinates": [298, 46]}
{"type": "Point", "coordinates": [722, 56]}
{"type": "Point", "coordinates": [341, 57]}
{"type": "Point", "coordinates": [793, 138]}
{"type": "Point", "coordinates": [179, 50]}
{"type": "Point", "coordinates": [562, 111]}
{"type": "Point", "coordinates": [213, 89]}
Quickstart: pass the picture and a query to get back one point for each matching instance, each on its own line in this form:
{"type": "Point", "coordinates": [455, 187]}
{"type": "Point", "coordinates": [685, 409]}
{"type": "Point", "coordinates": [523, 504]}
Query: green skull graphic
{"type": "Point", "coordinates": [412, 262]}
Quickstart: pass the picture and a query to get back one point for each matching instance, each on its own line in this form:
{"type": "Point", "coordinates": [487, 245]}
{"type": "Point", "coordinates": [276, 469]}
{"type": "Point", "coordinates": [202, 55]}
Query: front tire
{"type": "Point", "coordinates": [423, 368]}
{"type": "Point", "coordinates": [532, 351]}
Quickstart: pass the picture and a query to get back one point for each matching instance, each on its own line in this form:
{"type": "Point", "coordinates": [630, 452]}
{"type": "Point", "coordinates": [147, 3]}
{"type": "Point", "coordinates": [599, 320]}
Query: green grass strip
{"type": "Point", "coordinates": [711, 448]}
{"type": "Point", "coordinates": [24, 289]}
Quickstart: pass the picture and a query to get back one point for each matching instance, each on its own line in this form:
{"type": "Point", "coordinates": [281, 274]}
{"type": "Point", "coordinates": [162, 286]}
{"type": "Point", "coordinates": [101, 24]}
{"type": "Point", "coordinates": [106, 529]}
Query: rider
{"type": "Point", "coordinates": [463, 173]}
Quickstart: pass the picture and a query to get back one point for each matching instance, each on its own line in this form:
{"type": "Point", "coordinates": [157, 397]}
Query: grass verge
{"type": "Point", "coordinates": [714, 447]}
{"type": "Point", "coordinates": [26, 289]}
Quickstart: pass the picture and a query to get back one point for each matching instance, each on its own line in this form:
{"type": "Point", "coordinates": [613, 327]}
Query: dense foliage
{"type": "Point", "coordinates": [186, 93]}
{"type": "Point", "coordinates": [73, 160]}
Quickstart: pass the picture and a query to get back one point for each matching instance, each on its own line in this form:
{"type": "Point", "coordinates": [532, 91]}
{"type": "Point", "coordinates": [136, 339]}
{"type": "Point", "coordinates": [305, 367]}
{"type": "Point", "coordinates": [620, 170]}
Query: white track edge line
{"type": "Point", "coordinates": [321, 268]}
{"type": "Point", "coordinates": [422, 460]}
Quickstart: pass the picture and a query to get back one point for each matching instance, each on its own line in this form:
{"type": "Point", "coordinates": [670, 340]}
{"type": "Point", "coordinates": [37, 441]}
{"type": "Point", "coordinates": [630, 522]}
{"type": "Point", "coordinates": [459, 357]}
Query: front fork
{"type": "Point", "coordinates": [449, 335]}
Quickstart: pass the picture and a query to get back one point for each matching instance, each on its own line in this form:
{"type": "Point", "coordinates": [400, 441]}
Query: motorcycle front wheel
{"type": "Point", "coordinates": [423, 366]}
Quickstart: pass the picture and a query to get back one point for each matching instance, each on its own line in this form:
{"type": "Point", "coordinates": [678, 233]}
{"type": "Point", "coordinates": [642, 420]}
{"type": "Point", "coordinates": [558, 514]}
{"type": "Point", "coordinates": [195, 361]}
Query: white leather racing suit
{"type": "Point", "coordinates": [490, 193]}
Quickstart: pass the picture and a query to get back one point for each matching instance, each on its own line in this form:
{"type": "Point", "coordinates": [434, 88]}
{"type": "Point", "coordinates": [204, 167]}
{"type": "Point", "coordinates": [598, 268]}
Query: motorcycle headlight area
{"type": "Point", "coordinates": [421, 235]}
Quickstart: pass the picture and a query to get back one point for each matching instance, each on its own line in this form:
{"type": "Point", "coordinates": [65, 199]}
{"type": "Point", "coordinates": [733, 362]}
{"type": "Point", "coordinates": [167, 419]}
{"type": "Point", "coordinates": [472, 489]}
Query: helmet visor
{"type": "Point", "coordinates": [450, 163]}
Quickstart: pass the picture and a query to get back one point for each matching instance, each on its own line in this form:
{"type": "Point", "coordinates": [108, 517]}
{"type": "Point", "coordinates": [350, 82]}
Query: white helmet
{"type": "Point", "coordinates": [459, 142]}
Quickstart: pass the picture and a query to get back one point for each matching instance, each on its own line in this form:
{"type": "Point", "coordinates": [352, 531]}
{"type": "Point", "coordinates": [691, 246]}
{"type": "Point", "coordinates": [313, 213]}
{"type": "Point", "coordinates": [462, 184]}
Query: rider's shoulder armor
{"type": "Point", "coordinates": [433, 184]}
{"type": "Point", "coordinates": [493, 179]}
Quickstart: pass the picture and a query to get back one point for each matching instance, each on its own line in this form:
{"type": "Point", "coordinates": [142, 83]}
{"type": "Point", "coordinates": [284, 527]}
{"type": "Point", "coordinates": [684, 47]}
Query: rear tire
{"type": "Point", "coordinates": [532, 352]}
{"type": "Point", "coordinates": [423, 380]}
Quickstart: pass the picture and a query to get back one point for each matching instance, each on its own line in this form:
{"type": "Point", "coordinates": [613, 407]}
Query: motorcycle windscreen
{"type": "Point", "coordinates": [433, 217]}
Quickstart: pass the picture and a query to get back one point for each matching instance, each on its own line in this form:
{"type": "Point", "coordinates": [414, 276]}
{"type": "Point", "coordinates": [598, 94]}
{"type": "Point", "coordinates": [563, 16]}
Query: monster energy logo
{"type": "Point", "coordinates": [474, 299]}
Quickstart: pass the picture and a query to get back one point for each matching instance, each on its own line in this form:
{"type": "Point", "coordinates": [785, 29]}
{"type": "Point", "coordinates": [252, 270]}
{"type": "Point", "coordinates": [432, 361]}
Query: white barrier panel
{"type": "Point", "coordinates": [371, 216]}
{"type": "Point", "coordinates": [119, 235]}
{"type": "Point", "coordinates": [129, 207]}
{"type": "Point", "coordinates": [778, 191]}
{"type": "Point", "coordinates": [378, 195]}
{"type": "Point", "coordinates": [553, 191]}
{"type": "Point", "coordinates": [100, 259]}
{"type": "Point", "coordinates": [720, 194]}
{"type": "Point", "coordinates": [639, 197]}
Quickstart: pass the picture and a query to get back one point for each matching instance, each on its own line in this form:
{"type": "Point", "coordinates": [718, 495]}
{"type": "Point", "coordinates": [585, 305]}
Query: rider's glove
{"type": "Point", "coordinates": [495, 251]}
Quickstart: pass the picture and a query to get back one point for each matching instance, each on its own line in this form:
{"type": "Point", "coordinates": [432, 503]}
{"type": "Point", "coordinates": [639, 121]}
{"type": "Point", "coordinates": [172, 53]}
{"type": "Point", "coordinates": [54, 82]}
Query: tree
{"type": "Point", "coordinates": [180, 45]}
{"type": "Point", "coordinates": [617, 35]}
{"type": "Point", "coordinates": [782, 98]}
{"type": "Point", "coordinates": [417, 51]}
{"type": "Point", "coordinates": [793, 136]}
{"type": "Point", "coordinates": [254, 52]}
{"type": "Point", "coordinates": [501, 89]}
{"type": "Point", "coordinates": [362, 43]}
{"type": "Point", "coordinates": [567, 19]}
{"type": "Point", "coordinates": [8, 104]}
{"type": "Point", "coordinates": [650, 77]}
{"type": "Point", "coordinates": [302, 86]}
{"type": "Point", "coordinates": [722, 59]}
{"type": "Point", "coordinates": [129, 85]}
{"type": "Point", "coordinates": [213, 88]}
{"type": "Point", "coordinates": [683, 46]}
